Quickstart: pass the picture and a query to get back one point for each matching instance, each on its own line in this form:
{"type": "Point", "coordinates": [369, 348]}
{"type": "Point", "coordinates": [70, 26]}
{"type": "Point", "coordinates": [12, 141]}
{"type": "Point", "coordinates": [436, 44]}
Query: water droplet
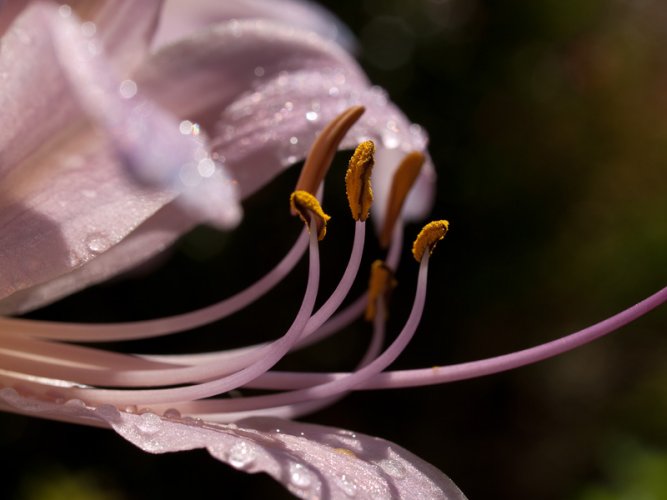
{"type": "Point", "coordinates": [185, 127]}
{"type": "Point", "coordinates": [128, 89]}
{"type": "Point", "coordinates": [88, 29]}
{"type": "Point", "coordinates": [348, 485]}
{"type": "Point", "coordinates": [241, 455]}
{"type": "Point", "coordinates": [172, 413]}
{"type": "Point", "coordinates": [131, 409]}
{"type": "Point", "coordinates": [97, 242]}
{"type": "Point", "coordinates": [312, 116]}
{"type": "Point", "coordinates": [300, 476]}
{"type": "Point", "coordinates": [294, 141]}
{"type": "Point", "coordinates": [393, 468]}
{"type": "Point", "coordinates": [149, 423]}
{"type": "Point", "coordinates": [65, 10]}
{"type": "Point", "coordinates": [206, 167]}
{"type": "Point", "coordinates": [75, 402]}
{"type": "Point", "coordinates": [390, 140]}
{"type": "Point", "coordinates": [259, 71]}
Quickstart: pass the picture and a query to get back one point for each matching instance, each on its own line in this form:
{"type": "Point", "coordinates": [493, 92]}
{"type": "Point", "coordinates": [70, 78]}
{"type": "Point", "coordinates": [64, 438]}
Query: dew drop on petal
{"type": "Point", "coordinates": [241, 455]}
{"type": "Point", "coordinates": [300, 476]}
{"type": "Point", "coordinates": [128, 89]}
{"type": "Point", "coordinates": [393, 468]}
{"type": "Point", "coordinates": [149, 423]}
{"type": "Point", "coordinates": [88, 29]}
{"type": "Point", "coordinates": [76, 403]}
{"type": "Point", "coordinates": [97, 243]}
{"type": "Point", "coordinates": [259, 71]}
{"type": "Point", "coordinates": [206, 167]}
{"type": "Point", "coordinates": [294, 141]}
{"type": "Point", "coordinates": [172, 413]}
{"type": "Point", "coordinates": [65, 10]}
{"type": "Point", "coordinates": [312, 116]}
{"type": "Point", "coordinates": [348, 485]}
{"type": "Point", "coordinates": [185, 127]}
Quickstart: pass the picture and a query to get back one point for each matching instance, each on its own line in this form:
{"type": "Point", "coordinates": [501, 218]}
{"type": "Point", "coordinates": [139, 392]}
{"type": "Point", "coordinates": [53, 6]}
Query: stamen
{"type": "Point", "coordinates": [429, 237]}
{"type": "Point", "coordinates": [324, 148]}
{"type": "Point", "coordinates": [358, 180]}
{"type": "Point", "coordinates": [306, 205]}
{"type": "Point", "coordinates": [403, 180]}
{"type": "Point", "coordinates": [381, 284]}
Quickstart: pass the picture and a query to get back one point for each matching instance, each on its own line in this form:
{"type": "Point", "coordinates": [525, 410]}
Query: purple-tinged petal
{"type": "Point", "coordinates": [182, 18]}
{"type": "Point", "coordinates": [312, 461]}
{"type": "Point", "coordinates": [125, 29]}
{"type": "Point", "coordinates": [65, 196]}
{"type": "Point", "coordinates": [273, 126]}
{"type": "Point", "coordinates": [285, 85]}
{"type": "Point", "coordinates": [152, 236]}
{"type": "Point", "coordinates": [147, 139]}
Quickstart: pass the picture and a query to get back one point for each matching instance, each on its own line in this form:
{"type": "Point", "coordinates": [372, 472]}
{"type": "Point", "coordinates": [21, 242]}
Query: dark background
{"type": "Point", "coordinates": [548, 123]}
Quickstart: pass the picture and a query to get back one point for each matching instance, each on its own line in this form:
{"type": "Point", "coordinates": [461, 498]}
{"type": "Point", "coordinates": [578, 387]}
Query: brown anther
{"type": "Point", "coordinates": [405, 176]}
{"type": "Point", "coordinates": [380, 285]}
{"type": "Point", "coordinates": [358, 180]}
{"type": "Point", "coordinates": [305, 205]}
{"type": "Point", "coordinates": [324, 148]}
{"type": "Point", "coordinates": [429, 237]}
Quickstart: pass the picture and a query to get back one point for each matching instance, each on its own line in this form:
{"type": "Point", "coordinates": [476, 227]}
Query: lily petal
{"type": "Point", "coordinates": [297, 82]}
{"type": "Point", "coordinates": [180, 18]}
{"type": "Point", "coordinates": [312, 461]}
{"type": "Point", "coordinates": [125, 29]}
{"type": "Point", "coordinates": [153, 236]}
{"type": "Point", "coordinates": [65, 196]}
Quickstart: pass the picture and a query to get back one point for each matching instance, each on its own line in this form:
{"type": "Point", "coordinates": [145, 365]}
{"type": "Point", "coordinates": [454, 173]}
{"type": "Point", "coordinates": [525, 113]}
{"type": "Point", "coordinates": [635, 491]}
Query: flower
{"type": "Point", "coordinates": [57, 380]}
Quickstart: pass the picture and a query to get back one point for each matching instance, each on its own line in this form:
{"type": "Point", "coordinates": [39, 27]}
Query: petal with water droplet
{"type": "Point", "coordinates": [269, 120]}
{"type": "Point", "coordinates": [306, 458]}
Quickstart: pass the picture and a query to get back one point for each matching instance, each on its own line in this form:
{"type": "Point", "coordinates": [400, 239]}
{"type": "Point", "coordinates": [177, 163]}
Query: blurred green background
{"type": "Point", "coordinates": [548, 123]}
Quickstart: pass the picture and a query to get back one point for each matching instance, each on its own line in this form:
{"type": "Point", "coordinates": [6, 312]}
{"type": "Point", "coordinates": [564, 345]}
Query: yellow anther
{"type": "Point", "coordinates": [405, 176]}
{"type": "Point", "coordinates": [324, 148]}
{"type": "Point", "coordinates": [358, 180]}
{"type": "Point", "coordinates": [306, 205]}
{"type": "Point", "coordinates": [429, 237]}
{"type": "Point", "coordinates": [380, 285]}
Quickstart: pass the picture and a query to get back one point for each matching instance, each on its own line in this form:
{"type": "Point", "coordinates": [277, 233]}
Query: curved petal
{"type": "Point", "coordinates": [285, 85]}
{"type": "Point", "coordinates": [151, 237]}
{"type": "Point", "coordinates": [125, 29]}
{"type": "Point", "coordinates": [65, 196]}
{"type": "Point", "coordinates": [181, 18]}
{"type": "Point", "coordinates": [273, 126]}
{"type": "Point", "coordinates": [312, 461]}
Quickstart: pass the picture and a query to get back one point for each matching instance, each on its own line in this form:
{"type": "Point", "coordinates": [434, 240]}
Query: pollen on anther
{"type": "Point", "coordinates": [429, 237]}
{"type": "Point", "coordinates": [324, 148]}
{"type": "Point", "coordinates": [380, 285]}
{"type": "Point", "coordinates": [306, 205]}
{"type": "Point", "coordinates": [358, 180]}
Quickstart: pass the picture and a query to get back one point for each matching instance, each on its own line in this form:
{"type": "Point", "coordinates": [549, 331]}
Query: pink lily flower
{"type": "Point", "coordinates": [148, 133]}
